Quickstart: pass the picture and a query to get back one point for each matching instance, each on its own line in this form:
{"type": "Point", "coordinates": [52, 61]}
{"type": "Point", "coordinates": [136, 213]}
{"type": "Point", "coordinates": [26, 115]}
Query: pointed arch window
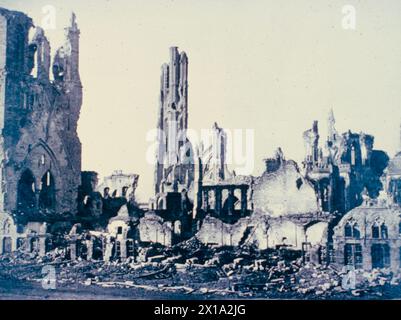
{"type": "Point", "coordinates": [375, 231]}
{"type": "Point", "coordinates": [348, 230]}
{"type": "Point", "coordinates": [26, 198]}
{"type": "Point", "coordinates": [351, 230]}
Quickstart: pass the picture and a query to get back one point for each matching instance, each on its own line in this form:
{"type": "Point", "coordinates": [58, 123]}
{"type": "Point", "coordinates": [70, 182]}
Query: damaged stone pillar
{"type": "Point", "coordinates": [367, 257]}
{"type": "Point", "coordinates": [244, 201]}
{"type": "Point", "coordinates": [42, 246]}
{"type": "Point", "coordinates": [89, 249]}
{"type": "Point", "coordinates": [231, 201]}
{"type": "Point", "coordinates": [73, 250]}
{"type": "Point", "coordinates": [218, 199]}
{"type": "Point", "coordinates": [123, 250]}
{"type": "Point", "coordinates": [206, 200]}
{"type": "Point", "coordinates": [394, 258]}
{"type": "Point", "coordinates": [108, 250]}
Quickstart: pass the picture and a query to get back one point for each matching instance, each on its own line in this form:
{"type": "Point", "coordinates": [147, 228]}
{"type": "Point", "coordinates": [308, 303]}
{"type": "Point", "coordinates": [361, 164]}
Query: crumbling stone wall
{"type": "Point", "coordinates": [343, 167]}
{"type": "Point", "coordinates": [40, 148]}
{"type": "Point", "coordinates": [264, 232]}
{"type": "Point", "coordinates": [152, 228]}
{"type": "Point", "coordinates": [284, 191]}
{"type": "Point", "coordinates": [33, 237]}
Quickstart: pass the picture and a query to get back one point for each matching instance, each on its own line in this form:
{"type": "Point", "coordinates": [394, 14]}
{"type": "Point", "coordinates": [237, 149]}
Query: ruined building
{"type": "Point", "coordinates": [342, 167]}
{"type": "Point", "coordinates": [369, 236]}
{"type": "Point", "coordinates": [281, 211]}
{"type": "Point", "coordinates": [40, 150]}
{"type": "Point", "coordinates": [97, 204]}
{"type": "Point", "coordinates": [174, 168]}
{"type": "Point", "coordinates": [216, 192]}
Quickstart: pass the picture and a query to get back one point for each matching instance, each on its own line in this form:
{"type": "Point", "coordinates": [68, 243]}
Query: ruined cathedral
{"type": "Point", "coordinates": [40, 102]}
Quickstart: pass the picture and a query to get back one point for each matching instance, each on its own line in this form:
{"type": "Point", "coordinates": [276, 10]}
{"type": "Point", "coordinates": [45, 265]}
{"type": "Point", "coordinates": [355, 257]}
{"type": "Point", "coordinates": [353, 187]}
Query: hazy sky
{"type": "Point", "coordinates": [271, 66]}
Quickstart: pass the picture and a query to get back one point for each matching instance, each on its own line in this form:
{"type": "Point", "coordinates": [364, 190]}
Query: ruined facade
{"type": "Point", "coordinates": [369, 236]}
{"type": "Point", "coordinates": [342, 167]}
{"type": "Point", "coordinates": [216, 192]}
{"type": "Point", "coordinates": [40, 150]}
{"type": "Point", "coordinates": [97, 204]}
{"type": "Point", "coordinates": [282, 190]}
{"type": "Point", "coordinates": [119, 184]}
{"type": "Point", "coordinates": [281, 211]}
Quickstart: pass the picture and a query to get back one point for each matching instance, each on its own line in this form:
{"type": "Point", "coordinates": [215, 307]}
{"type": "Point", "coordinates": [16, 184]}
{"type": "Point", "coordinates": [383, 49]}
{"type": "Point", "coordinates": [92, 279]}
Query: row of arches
{"type": "Point", "coordinates": [378, 230]}
{"type": "Point", "coordinates": [30, 198]}
{"type": "Point", "coordinates": [120, 249]}
{"type": "Point", "coordinates": [30, 244]}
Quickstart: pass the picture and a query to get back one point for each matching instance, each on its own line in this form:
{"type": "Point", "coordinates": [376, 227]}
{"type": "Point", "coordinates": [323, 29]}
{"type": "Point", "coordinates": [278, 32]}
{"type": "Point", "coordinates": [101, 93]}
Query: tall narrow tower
{"type": "Point", "coordinates": [331, 130]}
{"type": "Point", "coordinates": [174, 167]}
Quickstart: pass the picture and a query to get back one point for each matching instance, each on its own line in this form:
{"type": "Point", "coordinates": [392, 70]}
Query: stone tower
{"type": "Point", "coordinates": [174, 168]}
{"type": "Point", "coordinates": [40, 151]}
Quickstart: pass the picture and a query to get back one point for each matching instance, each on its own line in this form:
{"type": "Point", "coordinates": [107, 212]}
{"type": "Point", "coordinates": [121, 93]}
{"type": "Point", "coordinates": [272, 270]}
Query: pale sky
{"type": "Point", "coordinates": [271, 66]}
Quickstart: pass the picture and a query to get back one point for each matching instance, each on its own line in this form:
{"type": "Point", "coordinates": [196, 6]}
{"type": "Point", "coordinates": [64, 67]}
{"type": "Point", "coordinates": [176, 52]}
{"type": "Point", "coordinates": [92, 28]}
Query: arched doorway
{"type": "Point", "coordinates": [26, 199]}
{"type": "Point", "coordinates": [7, 245]}
{"type": "Point", "coordinates": [47, 197]}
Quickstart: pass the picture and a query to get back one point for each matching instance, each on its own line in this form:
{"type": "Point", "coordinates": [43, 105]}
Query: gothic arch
{"type": "Point", "coordinates": [34, 158]}
{"type": "Point", "coordinates": [26, 198]}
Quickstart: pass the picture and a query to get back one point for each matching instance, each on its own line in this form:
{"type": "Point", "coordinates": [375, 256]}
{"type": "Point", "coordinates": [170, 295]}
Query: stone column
{"type": "Point", "coordinates": [108, 251]}
{"type": "Point", "coordinates": [206, 200]}
{"type": "Point", "coordinates": [230, 201]}
{"type": "Point", "coordinates": [367, 256]}
{"type": "Point", "coordinates": [42, 246]}
{"type": "Point", "coordinates": [89, 249]}
{"type": "Point", "coordinates": [123, 249]}
{"type": "Point", "coordinates": [218, 198]}
{"type": "Point", "coordinates": [14, 243]}
{"type": "Point", "coordinates": [1, 245]}
{"type": "Point", "coordinates": [394, 258]}
{"type": "Point", "coordinates": [339, 253]}
{"type": "Point", "coordinates": [73, 250]}
{"type": "Point", "coordinates": [244, 200]}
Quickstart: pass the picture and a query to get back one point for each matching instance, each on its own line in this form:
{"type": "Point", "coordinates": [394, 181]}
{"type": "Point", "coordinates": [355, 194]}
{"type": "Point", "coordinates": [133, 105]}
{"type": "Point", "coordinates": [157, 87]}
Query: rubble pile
{"type": "Point", "coordinates": [192, 267]}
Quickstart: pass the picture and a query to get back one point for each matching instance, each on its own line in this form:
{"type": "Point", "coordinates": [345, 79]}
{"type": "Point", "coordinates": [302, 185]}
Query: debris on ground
{"type": "Point", "coordinates": [192, 267]}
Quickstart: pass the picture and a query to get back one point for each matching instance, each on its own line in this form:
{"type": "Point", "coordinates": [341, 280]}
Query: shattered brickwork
{"type": "Point", "coordinates": [343, 167]}
{"type": "Point", "coordinates": [154, 229]}
{"type": "Point", "coordinates": [284, 191]}
{"type": "Point", "coordinates": [40, 149]}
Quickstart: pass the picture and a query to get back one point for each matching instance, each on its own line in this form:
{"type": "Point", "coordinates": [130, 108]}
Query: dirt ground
{"type": "Point", "coordinates": [28, 290]}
